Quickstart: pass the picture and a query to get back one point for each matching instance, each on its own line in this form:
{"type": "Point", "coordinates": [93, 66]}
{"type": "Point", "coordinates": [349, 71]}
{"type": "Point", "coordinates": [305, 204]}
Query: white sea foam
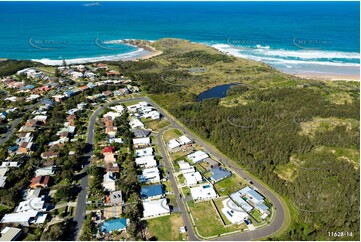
{"type": "Point", "coordinates": [281, 56]}
{"type": "Point", "coordinates": [125, 56]}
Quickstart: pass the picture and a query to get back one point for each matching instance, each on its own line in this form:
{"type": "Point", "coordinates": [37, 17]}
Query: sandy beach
{"type": "Point", "coordinates": [327, 77]}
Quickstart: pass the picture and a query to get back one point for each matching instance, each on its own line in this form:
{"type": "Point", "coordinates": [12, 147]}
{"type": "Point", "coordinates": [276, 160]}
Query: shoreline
{"type": "Point", "coordinates": [146, 51]}
{"type": "Point", "coordinates": [329, 77]}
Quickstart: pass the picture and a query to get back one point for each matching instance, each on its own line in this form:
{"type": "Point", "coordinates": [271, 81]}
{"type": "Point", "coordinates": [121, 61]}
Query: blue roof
{"type": "Point", "coordinates": [219, 173]}
{"type": "Point", "coordinates": [255, 195]}
{"type": "Point", "coordinates": [151, 191]}
{"type": "Point", "coordinates": [27, 87]}
{"type": "Point", "coordinates": [13, 148]}
{"type": "Point", "coordinates": [237, 198]}
{"type": "Point", "coordinates": [47, 102]}
{"type": "Point", "coordinates": [262, 206]}
{"type": "Point", "coordinates": [244, 190]}
{"type": "Point", "coordinates": [114, 224]}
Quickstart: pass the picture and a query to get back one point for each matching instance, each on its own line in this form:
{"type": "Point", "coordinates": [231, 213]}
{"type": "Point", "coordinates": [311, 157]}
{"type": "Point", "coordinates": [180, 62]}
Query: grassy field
{"type": "Point", "coordinates": [208, 221]}
{"type": "Point", "coordinates": [229, 185]}
{"type": "Point", "coordinates": [166, 228]}
{"type": "Point", "coordinates": [156, 125]}
{"type": "Point", "coordinates": [172, 134]}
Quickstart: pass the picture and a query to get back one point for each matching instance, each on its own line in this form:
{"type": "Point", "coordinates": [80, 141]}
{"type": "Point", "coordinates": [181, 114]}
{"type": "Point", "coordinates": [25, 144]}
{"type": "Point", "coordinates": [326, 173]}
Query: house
{"type": "Point", "coordinates": [136, 123]}
{"type": "Point", "coordinates": [25, 218]}
{"type": "Point", "coordinates": [25, 147]}
{"type": "Point", "coordinates": [262, 208]}
{"type": "Point", "coordinates": [140, 133]}
{"type": "Point", "coordinates": [210, 164]}
{"type": "Point", "coordinates": [197, 156]}
{"type": "Point", "coordinates": [146, 161]}
{"type": "Point", "coordinates": [144, 152]}
{"type": "Point", "coordinates": [203, 192]}
{"type": "Point", "coordinates": [113, 167]}
{"type": "Point", "coordinates": [154, 115]}
{"type": "Point", "coordinates": [11, 164]}
{"type": "Point", "coordinates": [237, 198]}
{"type": "Point", "coordinates": [108, 149]}
{"type": "Point", "coordinates": [115, 140]}
{"type": "Point", "coordinates": [2, 181]}
{"type": "Point", "coordinates": [192, 178]}
{"type": "Point", "coordinates": [219, 174]}
{"type": "Point", "coordinates": [150, 175]}
{"type": "Point", "coordinates": [254, 197]}
{"type": "Point", "coordinates": [28, 194]}
{"type": "Point", "coordinates": [118, 108]}
{"type": "Point", "coordinates": [109, 158]}
{"type": "Point", "coordinates": [185, 167]}
{"type": "Point", "coordinates": [10, 234]}
{"type": "Point", "coordinates": [112, 225]}
{"type": "Point", "coordinates": [109, 181]}
{"type": "Point", "coordinates": [155, 208]}
{"type": "Point", "coordinates": [33, 204]}
{"type": "Point", "coordinates": [41, 118]}
{"type": "Point", "coordinates": [173, 143]}
{"type": "Point", "coordinates": [116, 197]}
{"type": "Point", "coordinates": [40, 181]}
{"type": "Point", "coordinates": [71, 120]}
{"type": "Point", "coordinates": [141, 142]}
{"type": "Point", "coordinates": [108, 121]}
{"type": "Point", "coordinates": [49, 154]}
{"type": "Point", "coordinates": [111, 131]}
{"type": "Point", "coordinates": [13, 149]}
{"type": "Point", "coordinates": [151, 192]}
{"type": "Point", "coordinates": [233, 213]}
{"type": "Point", "coordinates": [184, 140]}
{"type": "Point", "coordinates": [45, 171]}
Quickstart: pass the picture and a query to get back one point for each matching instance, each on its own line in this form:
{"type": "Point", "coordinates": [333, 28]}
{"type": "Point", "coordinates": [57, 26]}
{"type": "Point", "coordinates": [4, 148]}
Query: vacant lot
{"type": "Point", "coordinates": [166, 228]}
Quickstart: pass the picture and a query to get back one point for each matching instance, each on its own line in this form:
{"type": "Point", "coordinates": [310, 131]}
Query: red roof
{"type": "Point", "coordinates": [108, 149]}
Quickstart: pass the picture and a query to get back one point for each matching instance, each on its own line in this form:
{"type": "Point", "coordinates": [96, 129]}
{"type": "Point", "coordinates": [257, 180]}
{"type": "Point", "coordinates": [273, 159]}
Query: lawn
{"type": "Point", "coordinates": [156, 125]}
{"type": "Point", "coordinates": [256, 215]}
{"type": "Point", "coordinates": [186, 191]}
{"type": "Point", "coordinates": [166, 228]}
{"type": "Point", "coordinates": [229, 185]}
{"type": "Point", "coordinates": [219, 205]}
{"type": "Point", "coordinates": [168, 186]}
{"type": "Point", "coordinates": [208, 221]}
{"type": "Point", "coordinates": [130, 103]}
{"type": "Point", "coordinates": [172, 134]}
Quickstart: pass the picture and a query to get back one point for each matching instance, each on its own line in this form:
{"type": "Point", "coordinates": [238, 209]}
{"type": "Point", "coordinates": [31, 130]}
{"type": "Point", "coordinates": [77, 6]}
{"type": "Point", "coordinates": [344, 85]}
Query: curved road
{"type": "Point", "coordinates": [279, 213]}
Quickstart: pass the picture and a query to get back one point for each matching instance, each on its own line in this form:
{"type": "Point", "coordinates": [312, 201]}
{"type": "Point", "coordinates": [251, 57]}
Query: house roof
{"type": "Point", "coordinates": [151, 191]}
{"type": "Point", "coordinates": [108, 149]}
{"type": "Point", "coordinates": [156, 207]}
{"type": "Point", "coordinates": [219, 173]}
{"type": "Point", "coordinates": [40, 180]}
{"type": "Point", "coordinates": [255, 195]}
{"type": "Point", "coordinates": [140, 133]}
{"type": "Point", "coordinates": [116, 197]}
{"type": "Point", "coordinates": [9, 234]}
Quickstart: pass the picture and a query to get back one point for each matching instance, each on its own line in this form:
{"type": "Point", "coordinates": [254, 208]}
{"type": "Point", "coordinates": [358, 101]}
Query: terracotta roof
{"type": "Point", "coordinates": [108, 149]}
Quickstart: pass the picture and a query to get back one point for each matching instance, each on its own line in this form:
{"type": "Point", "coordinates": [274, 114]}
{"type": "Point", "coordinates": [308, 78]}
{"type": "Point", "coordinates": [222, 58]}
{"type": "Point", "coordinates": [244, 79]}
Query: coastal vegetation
{"type": "Point", "coordinates": [288, 131]}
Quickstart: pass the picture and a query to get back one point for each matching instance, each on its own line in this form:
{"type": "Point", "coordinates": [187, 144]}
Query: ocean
{"type": "Point", "coordinates": [295, 37]}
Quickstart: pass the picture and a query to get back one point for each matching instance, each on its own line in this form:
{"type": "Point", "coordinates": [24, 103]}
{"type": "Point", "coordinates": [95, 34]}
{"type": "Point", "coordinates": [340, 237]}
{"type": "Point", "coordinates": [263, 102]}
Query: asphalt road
{"type": "Point", "coordinates": [275, 225]}
{"type": "Point", "coordinates": [180, 202]}
{"type": "Point", "coordinates": [259, 233]}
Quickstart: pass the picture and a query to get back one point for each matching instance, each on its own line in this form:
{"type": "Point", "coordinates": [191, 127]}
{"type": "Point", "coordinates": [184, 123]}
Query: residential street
{"type": "Point", "coordinates": [265, 231]}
